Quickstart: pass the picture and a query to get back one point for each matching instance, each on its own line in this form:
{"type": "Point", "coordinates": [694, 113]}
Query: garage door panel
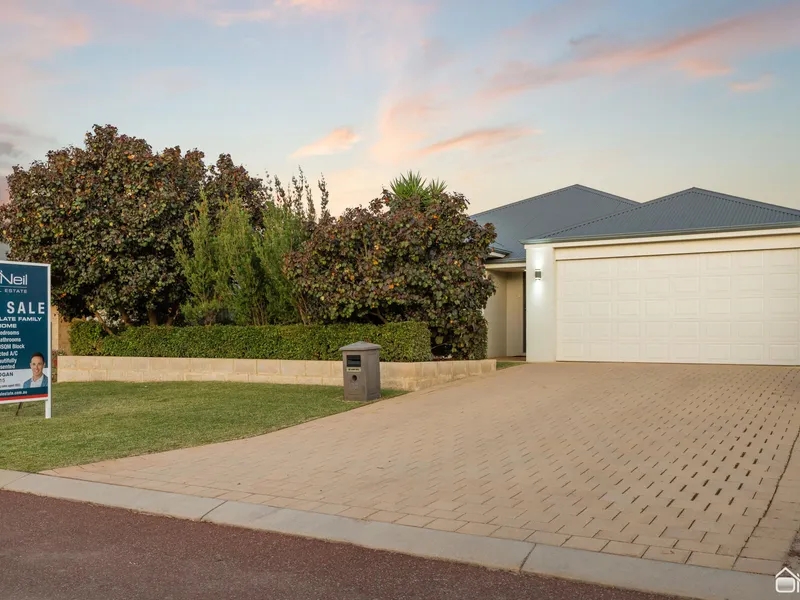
{"type": "Point", "coordinates": [780, 283]}
{"type": "Point", "coordinates": [684, 331]}
{"type": "Point", "coordinates": [715, 308]}
{"type": "Point", "coordinates": [734, 307]}
{"type": "Point", "coordinates": [718, 331]}
{"type": "Point", "coordinates": [719, 285]}
{"type": "Point", "coordinates": [785, 331]}
{"type": "Point", "coordinates": [687, 309]}
{"type": "Point", "coordinates": [747, 307]}
{"type": "Point", "coordinates": [748, 284]}
{"type": "Point", "coordinates": [686, 285]}
{"type": "Point", "coordinates": [786, 354]}
{"type": "Point", "coordinates": [778, 307]}
{"type": "Point", "coordinates": [686, 353]}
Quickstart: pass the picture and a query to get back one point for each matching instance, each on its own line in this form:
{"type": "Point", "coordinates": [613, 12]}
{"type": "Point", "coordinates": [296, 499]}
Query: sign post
{"type": "Point", "coordinates": [25, 334]}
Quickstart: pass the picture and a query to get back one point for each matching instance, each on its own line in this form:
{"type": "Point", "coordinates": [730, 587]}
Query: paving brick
{"type": "Point", "coordinates": [547, 538]}
{"type": "Point", "coordinates": [624, 549]}
{"type": "Point", "coordinates": [764, 553]}
{"type": "Point", "coordinates": [478, 529]}
{"type": "Point", "coordinates": [584, 543]}
{"type": "Point", "coordinates": [699, 547]}
{"type": "Point", "coordinates": [512, 533]}
{"type": "Point", "coordinates": [671, 474]}
{"type": "Point", "coordinates": [413, 521]}
{"type": "Point", "coordinates": [357, 513]}
{"type": "Point", "coordinates": [667, 554]}
{"type": "Point", "coordinates": [385, 516]}
{"type": "Point", "coordinates": [716, 561]}
{"type": "Point", "coordinates": [661, 542]}
{"type": "Point", "coordinates": [617, 536]}
{"type": "Point", "coordinates": [755, 565]}
{"type": "Point", "coordinates": [712, 527]}
{"type": "Point", "coordinates": [445, 524]}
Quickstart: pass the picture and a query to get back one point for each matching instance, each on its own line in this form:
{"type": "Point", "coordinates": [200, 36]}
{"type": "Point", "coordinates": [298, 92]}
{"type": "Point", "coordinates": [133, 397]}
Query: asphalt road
{"type": "Point", "coordinates": [58, 550]}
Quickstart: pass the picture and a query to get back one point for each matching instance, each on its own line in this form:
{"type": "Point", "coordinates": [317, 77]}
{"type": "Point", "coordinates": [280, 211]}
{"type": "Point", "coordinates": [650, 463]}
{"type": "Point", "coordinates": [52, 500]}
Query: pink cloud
{"type": "Point", "coordinates": [337, 141]}
{"type": "Point", "coordinates": [754, 85]}
{"type": "Point", "coordinates": [28, 37]}
{"type": "Point", "coordinates": [480, 139]}
{"type": "Point", "coordinates": [403, 124]}
{"type": "Point", "coordinates": [559, 15]}
{"type": "Point", "coordinates": [757, 31]}
{"type": "Point", "coordinates": [702, 69]}
{"type": "Point", "coordinates": [218, 12]}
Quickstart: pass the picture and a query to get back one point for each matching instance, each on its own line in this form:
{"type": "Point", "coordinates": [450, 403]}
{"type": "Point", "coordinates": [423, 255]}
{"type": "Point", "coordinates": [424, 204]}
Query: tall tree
{"type": "Point", "coordinates": [107, 217]}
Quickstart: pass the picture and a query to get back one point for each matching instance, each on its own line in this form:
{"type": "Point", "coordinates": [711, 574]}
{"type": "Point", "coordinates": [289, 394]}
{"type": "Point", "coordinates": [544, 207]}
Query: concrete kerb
{"type": "Point", "coordinates": [149, 501]}
{"type": "Point", "coordinates": [592, 567]}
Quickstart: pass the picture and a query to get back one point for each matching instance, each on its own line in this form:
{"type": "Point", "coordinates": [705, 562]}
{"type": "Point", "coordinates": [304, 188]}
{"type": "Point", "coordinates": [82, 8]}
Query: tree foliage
{"type": "Point", "coordinates": [416, 260]}
{"type": "Point", "coordinates": [108, 216]}
{"type": "Point", "coordinates": [234, 267]}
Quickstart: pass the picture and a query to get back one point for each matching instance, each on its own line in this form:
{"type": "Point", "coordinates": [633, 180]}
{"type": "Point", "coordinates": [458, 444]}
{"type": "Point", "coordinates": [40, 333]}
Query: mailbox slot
{"type": "Point", "coordinates": [353, 363]}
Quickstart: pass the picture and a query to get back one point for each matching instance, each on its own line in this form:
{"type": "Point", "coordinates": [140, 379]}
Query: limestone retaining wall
{"type": "Point", "coordinates": [401, 376]}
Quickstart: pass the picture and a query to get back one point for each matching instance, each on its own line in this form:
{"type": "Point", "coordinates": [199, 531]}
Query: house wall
{"type": "Point", "coordinates": [495, 314]}
{"type": "Point", "coordinates": [542, 314]}
{"type": "Point", "coordinates": [514, 318]}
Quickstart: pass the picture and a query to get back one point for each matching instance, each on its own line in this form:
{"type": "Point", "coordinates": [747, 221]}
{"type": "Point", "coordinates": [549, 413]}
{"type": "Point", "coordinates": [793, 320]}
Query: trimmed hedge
{"type": "Point", "coordinates": [400, 342]}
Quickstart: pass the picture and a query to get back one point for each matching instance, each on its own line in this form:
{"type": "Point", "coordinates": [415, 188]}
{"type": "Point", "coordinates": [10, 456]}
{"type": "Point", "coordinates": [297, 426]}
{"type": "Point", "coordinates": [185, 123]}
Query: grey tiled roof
{"type": "Point", "coordinates": [536, 216]}
{"type": "Point", "coordinates": [691, 211]}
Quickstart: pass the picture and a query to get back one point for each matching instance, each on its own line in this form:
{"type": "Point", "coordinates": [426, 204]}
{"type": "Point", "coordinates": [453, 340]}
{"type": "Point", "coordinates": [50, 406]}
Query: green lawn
{"type": "Point", "coordinates": [97, 421]}
{"type": "Point", "coordinates": [507, 363]}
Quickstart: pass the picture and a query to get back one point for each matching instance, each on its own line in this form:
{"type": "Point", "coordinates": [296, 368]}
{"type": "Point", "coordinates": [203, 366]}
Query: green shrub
{"type": "Point", "coordinates": [400, 342]}
{"type": "Point", "coordinates": [84, 337]}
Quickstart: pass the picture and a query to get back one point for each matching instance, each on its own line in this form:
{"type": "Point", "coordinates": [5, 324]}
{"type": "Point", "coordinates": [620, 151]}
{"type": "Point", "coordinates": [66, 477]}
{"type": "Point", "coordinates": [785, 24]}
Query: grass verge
{"type": "Point", "coordinates": [104, 420]}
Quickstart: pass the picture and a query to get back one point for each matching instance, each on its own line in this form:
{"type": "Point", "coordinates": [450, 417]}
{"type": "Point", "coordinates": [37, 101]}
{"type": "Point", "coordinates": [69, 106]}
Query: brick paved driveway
{"type": "Point", "coordinates": [670, 462]}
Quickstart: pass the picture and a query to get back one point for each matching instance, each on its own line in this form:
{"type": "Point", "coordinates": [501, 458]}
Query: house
{"type": "Point", "coordinates": [693, 277]}
{"type": "Point", "coordinates": [515, 222]}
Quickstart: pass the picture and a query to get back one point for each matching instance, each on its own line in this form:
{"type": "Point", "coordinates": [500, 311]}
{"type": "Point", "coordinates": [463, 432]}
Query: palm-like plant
{"type": "Point", "coordinates": [412, 186]}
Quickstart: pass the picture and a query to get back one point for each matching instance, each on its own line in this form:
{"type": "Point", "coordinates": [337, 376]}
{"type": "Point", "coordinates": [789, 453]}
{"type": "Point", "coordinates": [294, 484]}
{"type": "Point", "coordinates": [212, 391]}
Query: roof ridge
{"type": "Point", "coordinates": [746, 201]}
{"type": "Point", "coordinates": [704, 192]}
{"type": "Point", "coordinates": [606, 194]}
{"type": "Point", "coordinates": [550, 193]}
{"type": "Point", "coordinates": [604, 217]}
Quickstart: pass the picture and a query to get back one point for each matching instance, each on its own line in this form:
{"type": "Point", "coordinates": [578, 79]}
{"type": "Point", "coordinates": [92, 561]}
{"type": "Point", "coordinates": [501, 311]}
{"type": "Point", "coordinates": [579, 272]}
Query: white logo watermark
{"type": "Point", "coordinates": [787, 582]}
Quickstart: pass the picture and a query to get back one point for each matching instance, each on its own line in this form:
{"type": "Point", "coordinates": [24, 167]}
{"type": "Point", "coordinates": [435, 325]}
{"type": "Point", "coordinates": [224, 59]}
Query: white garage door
{"type": "Point", "coordinates": [727, 307]}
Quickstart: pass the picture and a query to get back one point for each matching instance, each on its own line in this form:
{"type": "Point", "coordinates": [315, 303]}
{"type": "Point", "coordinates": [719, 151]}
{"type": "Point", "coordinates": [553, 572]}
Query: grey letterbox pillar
{"type": "Point", "coordinates": [362, 371]}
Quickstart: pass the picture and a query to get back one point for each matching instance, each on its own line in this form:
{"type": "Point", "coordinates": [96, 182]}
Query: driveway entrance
{"type": "Point", "coordinates": [669, 462]}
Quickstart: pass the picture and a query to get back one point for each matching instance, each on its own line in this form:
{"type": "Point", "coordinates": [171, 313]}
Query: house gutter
{"type": "Point", "coordinates": [651, 234]}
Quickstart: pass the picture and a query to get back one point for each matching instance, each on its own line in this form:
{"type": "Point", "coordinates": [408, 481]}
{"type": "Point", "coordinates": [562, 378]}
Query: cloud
{"type": "Point", "coordinates": [756, 31]}
{"type": "Point", "coordinates": [403, 123]}
{"type": "Point", "coordinates": [225, 13]}
{"type": "Point", "coordinates": [9, 149]}
{"type": "Point", "coordinates": [561, 14]}
{"type": "Point", "coordinates": [172, 80]}
{"type": "Point", "coordinates": [28, 38]}
{"type": "Point", "coordinates": [338, 140]}
{"type": "Point", "coordinates": [754, 85]}
{"type": "Point", "coordinates": [480, 139]}
{"type": "Point", "coordinates": [702, 69]}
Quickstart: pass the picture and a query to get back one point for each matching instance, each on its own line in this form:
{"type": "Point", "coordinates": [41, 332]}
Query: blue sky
{"type": "Point", "coordinates": [503, 99]}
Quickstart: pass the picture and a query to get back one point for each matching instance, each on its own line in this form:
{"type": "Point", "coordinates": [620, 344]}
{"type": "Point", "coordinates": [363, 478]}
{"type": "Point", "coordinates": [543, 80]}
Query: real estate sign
{"type": "Point", "coordinates": [25, 333]}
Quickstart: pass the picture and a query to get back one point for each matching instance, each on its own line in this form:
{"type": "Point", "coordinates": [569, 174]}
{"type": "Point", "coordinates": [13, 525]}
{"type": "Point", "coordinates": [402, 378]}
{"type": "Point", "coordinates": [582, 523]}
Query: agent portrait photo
{"type": "Point", "coordinates": [38, 379]}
